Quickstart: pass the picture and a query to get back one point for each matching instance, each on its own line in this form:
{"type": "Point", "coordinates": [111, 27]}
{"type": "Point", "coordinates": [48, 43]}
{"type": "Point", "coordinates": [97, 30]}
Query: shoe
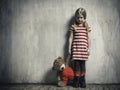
{"type": "Point", "coordinates": [82, 82]}
{"type": "Point", "coordinates": [76, 82]}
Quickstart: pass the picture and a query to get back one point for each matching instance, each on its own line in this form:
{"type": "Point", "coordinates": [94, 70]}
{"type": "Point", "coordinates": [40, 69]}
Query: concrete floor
{"type": "Point", "coordinates": [54, 87]}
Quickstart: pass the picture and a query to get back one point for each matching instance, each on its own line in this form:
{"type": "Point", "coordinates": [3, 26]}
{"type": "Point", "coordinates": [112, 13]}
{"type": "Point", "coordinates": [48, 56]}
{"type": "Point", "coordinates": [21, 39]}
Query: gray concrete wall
{"type": "Point", "coordinates": [34, 32]}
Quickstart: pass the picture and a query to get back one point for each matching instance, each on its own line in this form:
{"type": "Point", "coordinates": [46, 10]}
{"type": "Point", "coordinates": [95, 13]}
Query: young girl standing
{"type": "Point", "coordinates": [79, 47]}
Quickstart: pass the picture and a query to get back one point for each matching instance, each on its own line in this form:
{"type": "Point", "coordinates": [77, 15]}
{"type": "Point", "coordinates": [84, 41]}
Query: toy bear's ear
{"type": "Point", "coordinates": [59, 57]}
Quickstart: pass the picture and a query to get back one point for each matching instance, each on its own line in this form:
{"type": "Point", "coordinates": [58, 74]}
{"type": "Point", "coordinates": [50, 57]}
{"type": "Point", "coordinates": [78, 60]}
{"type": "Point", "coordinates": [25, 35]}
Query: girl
{"type": "Point", "coordinates": [79, 46]}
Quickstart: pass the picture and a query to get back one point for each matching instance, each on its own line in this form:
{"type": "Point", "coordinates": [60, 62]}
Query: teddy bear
{"type": "Point", "coordinates": [64, 71]}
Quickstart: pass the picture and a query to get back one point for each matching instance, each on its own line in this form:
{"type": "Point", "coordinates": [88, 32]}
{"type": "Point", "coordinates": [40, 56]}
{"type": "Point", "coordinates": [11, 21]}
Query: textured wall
{"type": "Point", "coordinates": [34, 32]}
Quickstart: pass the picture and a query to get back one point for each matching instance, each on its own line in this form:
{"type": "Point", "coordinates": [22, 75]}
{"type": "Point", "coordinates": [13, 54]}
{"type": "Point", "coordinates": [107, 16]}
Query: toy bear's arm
{"type": "Point", "coordinates": [59, 75]}
{"type": "Point", "coordinates": [89, 41]}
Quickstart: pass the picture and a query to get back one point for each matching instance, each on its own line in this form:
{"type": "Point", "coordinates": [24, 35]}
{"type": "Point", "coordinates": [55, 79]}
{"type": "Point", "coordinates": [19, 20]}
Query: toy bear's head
{"type": "Point", "coordinates": [59, 64]}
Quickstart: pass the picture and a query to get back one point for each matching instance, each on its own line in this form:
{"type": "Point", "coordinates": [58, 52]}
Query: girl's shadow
{"type": "Point", "coordinates": [67, 35]}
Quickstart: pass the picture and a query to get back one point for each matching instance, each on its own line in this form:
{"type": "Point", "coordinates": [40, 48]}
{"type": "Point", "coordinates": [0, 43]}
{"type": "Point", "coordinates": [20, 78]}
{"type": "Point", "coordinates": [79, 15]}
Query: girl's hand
{"type": "Point", "coordinates": [89, 30]}
{"type": "Point", "coordinates": [88, 52]}
{"type": "Point", "coordinates": [69, 51]}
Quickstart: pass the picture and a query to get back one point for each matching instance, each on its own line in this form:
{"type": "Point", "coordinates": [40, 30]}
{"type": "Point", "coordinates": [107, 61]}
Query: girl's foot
{"type": "Point", "coordinates": [76, 82]}
{"type": "Point", "coordinates": [82, 82]}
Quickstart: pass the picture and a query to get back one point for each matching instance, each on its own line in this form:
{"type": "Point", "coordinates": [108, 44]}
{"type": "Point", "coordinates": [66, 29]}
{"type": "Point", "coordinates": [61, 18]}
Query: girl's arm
{"type": "Point", "coordinates": [70, 41]}
{"type": "Point", "coordinates": [89, 41]}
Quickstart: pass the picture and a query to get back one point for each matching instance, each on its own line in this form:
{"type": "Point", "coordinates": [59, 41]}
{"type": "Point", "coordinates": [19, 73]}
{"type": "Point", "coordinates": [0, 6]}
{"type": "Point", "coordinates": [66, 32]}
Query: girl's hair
{"type": "Point", "coordinates": [82, 11]}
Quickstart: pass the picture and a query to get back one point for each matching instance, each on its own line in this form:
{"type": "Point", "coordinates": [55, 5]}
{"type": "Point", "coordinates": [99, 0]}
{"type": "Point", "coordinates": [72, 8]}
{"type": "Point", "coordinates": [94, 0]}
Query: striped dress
{"type": "Point", "coordinates": [80, 43]}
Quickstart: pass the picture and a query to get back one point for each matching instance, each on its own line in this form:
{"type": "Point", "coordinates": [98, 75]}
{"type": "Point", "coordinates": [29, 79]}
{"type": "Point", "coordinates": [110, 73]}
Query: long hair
{"type": "Point", "coordinates": [82, 11]}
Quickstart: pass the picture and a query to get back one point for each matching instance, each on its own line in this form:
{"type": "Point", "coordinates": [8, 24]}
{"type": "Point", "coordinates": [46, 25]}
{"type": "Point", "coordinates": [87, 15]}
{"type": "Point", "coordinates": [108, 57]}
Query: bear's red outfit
{"type": "Point", "coordinates": [67, 74]}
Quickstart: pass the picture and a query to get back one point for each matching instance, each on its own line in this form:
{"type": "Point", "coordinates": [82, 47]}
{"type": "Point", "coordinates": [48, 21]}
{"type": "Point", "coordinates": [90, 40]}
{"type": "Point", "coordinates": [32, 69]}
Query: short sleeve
{"type": "Point", "coordinates": [72, 28]}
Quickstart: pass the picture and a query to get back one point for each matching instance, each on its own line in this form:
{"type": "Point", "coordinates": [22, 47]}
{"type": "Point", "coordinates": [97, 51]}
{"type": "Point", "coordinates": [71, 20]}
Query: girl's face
{"type": "Point", "coordinates": [79, 19]}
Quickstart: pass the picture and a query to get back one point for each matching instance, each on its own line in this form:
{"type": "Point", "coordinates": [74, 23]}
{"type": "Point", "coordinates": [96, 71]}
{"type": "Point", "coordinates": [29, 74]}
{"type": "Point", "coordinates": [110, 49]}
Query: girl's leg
{"type": "Point", "coordinates": [77, 72]}
{"type": "Point", "coordinates": [83, 73]}
{"type": "Point", "coordinates": [83, 68]}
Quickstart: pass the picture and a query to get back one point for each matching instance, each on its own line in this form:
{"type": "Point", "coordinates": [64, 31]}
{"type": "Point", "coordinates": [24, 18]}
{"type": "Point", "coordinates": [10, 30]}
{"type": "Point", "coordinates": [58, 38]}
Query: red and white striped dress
{"type": "Point", "coordinates": [80, 43]}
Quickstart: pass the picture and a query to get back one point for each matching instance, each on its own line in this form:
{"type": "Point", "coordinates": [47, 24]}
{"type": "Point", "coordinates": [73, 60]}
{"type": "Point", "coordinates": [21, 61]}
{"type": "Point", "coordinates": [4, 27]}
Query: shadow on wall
{"type": "Point", "coordinates": [51, 75]}
{"type": "Point", "coordinates": [5, 40]}
{"type": "Point", "coordinates": [118, 7]}
{"type": "Point", "coordinates": [66, 46]}
{"type": "Point", "coordinates": [115, 55]}
{"type": "Point", "coordinates": [70, 22]}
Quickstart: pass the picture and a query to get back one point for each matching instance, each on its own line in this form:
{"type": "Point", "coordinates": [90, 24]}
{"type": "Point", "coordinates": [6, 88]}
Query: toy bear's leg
{"type": "Point", "coordinates": [61, 84]}
{"type": "Point", "coordinates": [63, 81]}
